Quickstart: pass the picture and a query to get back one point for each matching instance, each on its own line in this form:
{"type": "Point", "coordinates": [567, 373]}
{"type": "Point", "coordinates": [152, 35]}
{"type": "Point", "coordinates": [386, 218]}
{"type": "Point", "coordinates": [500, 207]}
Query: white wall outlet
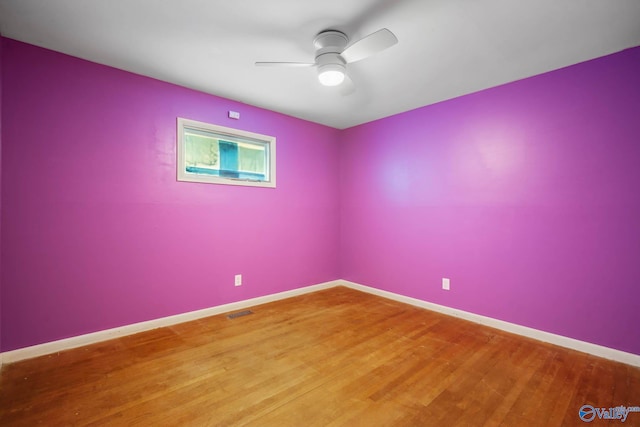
{"type": "Point", "coordinates": [238, 280]}
{"type": "Point", "coordinates": [446, 284]}
{"type": "Point", "coordinates": [234, 115]}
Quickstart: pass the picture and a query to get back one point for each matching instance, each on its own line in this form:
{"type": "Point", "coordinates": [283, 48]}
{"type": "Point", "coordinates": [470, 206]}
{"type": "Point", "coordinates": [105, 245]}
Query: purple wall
{"type": "Point", "coordinates": [526, 195]}
{"type": "Point", "coordinates": [1, 42]}
{"type": "Point", "coordinates": [97, 232]}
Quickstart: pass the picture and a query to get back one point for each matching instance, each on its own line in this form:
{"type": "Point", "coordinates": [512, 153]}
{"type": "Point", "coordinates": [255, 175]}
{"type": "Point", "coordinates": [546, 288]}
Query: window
{"type": "Point", "coordinates": [220, 155]}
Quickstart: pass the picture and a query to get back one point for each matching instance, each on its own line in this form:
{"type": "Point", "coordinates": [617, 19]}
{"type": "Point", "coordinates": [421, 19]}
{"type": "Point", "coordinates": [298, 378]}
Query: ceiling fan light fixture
{"type": "Point", "coordinates": [331, 74]}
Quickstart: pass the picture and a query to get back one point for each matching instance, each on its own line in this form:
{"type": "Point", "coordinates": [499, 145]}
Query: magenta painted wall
{"type": "Point", "coordinates": [1, 42]}
{"type": "Point", "coordinates": [526, 195]}
{"type": "Point", "coordinates": [97, 232]}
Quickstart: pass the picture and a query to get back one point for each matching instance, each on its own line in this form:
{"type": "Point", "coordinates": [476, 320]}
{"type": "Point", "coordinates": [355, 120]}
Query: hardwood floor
{"type": "Point", "coordinates": [332, 358]}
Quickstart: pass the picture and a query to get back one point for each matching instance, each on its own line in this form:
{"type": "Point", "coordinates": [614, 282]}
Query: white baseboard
{"type": "Point", "coordinates": [99, 336]}
{"type": "Point", "coordinates": [95, 337]}
{"type": "Point", "coordinates": [573, 344]}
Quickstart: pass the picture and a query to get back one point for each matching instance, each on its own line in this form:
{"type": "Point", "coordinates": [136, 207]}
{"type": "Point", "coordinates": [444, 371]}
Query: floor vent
{"type": "Point", "coordinates": [240, 314]}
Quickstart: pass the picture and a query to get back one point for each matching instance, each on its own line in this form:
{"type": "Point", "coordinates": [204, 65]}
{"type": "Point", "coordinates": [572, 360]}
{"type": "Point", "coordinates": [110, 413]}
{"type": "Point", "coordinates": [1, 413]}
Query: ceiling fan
{"type": "Point", "coordinates": [333, 53]}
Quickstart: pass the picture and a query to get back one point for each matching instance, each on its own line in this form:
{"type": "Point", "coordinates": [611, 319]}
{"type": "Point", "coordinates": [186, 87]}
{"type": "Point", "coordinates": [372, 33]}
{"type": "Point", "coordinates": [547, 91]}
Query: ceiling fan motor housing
{"type": "Point", "coordinates": [330, 42]}
{"type": "Point", "coordinates": [331, 66]}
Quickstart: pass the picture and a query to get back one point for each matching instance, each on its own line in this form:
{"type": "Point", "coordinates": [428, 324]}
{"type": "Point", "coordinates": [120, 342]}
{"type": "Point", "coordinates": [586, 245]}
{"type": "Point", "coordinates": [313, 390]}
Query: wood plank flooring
{"type": "Point", "coordinates": [337, 357]}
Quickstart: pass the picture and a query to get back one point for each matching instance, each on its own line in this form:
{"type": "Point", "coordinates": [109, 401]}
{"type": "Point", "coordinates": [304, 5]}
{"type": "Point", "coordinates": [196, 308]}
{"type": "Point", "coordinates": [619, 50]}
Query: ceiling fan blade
{"type": "Point", "coordinates": [347, 87]}
{"type": "Point", "coordinates": [369, 45]}
{"type": "Point", "coordinates": [284, 64]}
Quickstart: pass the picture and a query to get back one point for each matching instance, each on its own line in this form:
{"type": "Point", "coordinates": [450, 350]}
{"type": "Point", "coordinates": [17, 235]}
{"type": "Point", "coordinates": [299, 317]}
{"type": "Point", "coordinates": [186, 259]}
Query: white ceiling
{"type": "Point", "coordinates": [446, 48]}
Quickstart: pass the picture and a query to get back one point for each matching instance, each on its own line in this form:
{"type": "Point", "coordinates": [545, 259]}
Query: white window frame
{"type": "Point", "coordinates": [235, 134]}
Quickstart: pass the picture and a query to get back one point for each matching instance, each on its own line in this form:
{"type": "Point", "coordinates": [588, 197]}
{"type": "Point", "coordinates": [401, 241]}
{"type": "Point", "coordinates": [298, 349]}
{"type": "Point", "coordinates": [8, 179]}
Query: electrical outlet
{"type": "Point", "coordinates": [446, 284]}
{"type": "Point", "coordinates": [238, 280]}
